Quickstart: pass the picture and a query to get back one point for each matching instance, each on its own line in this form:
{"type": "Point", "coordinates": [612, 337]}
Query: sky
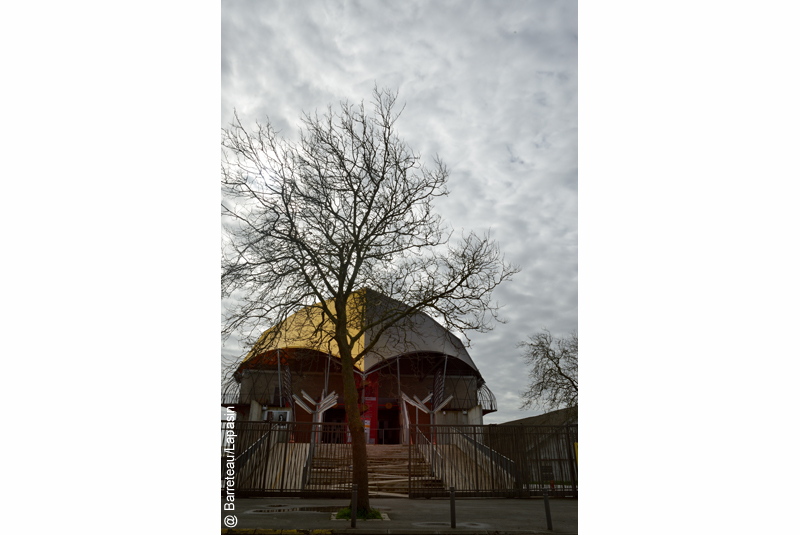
{"type": "Point", "coordinates": [491, 87]}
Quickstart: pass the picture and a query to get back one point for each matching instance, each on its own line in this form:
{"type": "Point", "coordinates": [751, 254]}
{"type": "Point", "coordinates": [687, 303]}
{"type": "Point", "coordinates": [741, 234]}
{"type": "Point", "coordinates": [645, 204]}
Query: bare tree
{"type": "Point", "coordinates": [309, 224]}
{"type": "Point", "coordinates": [553, 371]}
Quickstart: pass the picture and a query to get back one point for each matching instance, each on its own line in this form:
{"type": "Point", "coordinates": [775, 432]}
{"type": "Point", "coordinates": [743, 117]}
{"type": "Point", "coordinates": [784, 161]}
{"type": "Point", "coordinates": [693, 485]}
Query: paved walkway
{"type": "Point", "coordinates": [419, 517]}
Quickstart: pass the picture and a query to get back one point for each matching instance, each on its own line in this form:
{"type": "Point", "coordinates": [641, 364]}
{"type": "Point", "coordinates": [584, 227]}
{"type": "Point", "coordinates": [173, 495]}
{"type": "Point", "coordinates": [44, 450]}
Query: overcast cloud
{"type": "Point", "coordinates": [492, 87]}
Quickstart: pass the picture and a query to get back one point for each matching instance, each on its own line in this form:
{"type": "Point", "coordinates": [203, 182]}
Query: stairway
{"type": "Point", "coordinates": [387, 465]}
{"type": "Point", "coordinates": [331, 468]}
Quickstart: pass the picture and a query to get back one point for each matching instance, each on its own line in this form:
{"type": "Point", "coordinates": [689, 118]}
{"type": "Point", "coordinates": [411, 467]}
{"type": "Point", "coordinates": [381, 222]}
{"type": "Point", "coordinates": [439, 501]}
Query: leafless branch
{"type": "Point", "coordinates": [308, 224]}
{"type": "Point", "coordinates": [553, 371]}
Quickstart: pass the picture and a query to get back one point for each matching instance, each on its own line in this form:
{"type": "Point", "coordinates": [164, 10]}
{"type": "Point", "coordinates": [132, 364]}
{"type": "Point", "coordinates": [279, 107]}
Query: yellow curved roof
{"type": "Point", "coordinates": [307, 329]}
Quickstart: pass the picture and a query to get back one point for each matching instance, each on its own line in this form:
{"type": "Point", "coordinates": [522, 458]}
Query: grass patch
{"type": "Point", "coordinates": [363, 514]}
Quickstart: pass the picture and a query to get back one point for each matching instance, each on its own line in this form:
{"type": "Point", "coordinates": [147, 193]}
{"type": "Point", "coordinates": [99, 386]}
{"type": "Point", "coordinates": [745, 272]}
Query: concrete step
{"type": "Point", "coordinates": [387, 465]}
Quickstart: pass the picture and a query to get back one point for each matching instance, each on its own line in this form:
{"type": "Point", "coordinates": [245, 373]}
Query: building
{"type": "Point", "coordinates": [567, 416]}
{"type": "Point", "coordinates": [417, 372]}
{"type": "Point", "coordinates": [546, 446]}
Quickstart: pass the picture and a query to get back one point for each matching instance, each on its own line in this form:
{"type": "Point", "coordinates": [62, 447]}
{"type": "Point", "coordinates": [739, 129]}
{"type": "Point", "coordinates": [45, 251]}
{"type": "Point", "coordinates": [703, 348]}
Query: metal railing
{"type": "Point", "coordinates": [287, 459]}
{"type": "Point", "coordinates": [502, 469]}
{"type": "Point", "coordinates": [511, 461]}
{"type": "Point", "coordinates": [315, 460]}
{"type": "Point", "coordinates": [439, 466]}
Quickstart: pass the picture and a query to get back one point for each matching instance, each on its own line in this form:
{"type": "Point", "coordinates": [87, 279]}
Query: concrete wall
{"type": "Point", "coordinates": [255, 411]}
{"type": "Point", "coordinates": [474, 416]}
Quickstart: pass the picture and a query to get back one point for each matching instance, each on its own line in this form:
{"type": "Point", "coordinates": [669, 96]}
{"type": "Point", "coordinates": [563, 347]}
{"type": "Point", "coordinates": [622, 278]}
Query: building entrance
{"type": "Point", "coordinates": [388, 429]}
{"type": "Point", "coordinates": [333, 416]}
{"type": "Point", "coordinates": [388, 426]}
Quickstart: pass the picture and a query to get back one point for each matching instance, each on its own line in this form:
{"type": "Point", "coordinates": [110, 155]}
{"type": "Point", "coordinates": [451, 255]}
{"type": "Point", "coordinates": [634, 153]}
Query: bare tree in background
{"type": "Point", "coordinates": [553, 372]}
{"type": "Point", "coordinates": [347, 207]}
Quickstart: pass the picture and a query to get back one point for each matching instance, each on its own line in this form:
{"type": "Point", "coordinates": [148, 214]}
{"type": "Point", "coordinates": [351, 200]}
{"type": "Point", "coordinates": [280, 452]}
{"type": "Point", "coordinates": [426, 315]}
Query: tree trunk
{"type": "Point", "coordinates": [356, 426]}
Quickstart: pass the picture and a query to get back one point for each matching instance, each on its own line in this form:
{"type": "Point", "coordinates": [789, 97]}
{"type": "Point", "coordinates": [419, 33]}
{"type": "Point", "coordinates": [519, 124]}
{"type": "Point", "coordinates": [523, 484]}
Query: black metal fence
{"type": "Point", "coordinates": [286, 459]}
{"type": "Point", "coordinates": [315, 460]}
{"type": "Point", "coordinates": [492, 460]}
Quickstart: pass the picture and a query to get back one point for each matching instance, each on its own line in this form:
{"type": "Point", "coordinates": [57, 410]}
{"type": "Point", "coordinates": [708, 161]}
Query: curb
{"type": "Point", "coordinates": [235, 531]}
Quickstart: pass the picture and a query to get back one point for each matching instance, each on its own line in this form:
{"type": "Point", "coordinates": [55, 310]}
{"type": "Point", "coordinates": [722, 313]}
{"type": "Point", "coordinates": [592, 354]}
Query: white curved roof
{"type": "Point", "coordinates": [420, 334]}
